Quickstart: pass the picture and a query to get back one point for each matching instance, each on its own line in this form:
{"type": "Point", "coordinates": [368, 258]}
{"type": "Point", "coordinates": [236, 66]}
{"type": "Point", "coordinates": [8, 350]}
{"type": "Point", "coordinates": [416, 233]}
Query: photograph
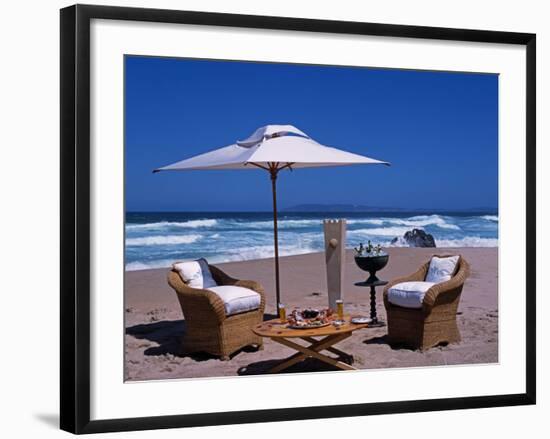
{"type": "Point", "coordinates": [299, 218]}
{"type": "Point", "coordinates": [263, 218]}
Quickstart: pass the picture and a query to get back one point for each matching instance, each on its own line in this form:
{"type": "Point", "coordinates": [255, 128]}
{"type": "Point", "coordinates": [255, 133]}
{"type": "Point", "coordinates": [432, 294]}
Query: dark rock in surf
{"type": "Point", "coordinates": [416, 238]}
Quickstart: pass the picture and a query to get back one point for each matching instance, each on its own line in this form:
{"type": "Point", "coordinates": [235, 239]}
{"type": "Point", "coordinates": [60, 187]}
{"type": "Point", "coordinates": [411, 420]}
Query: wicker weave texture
{"type": "Point", "coordinates": [435, 322]}
{"type": "Point", "coordinates": [208, 329]}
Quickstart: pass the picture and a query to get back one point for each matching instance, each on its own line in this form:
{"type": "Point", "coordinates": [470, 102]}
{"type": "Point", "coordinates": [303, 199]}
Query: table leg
{"type": "Point", "coordinates": [313, 351]}
{"type": "Point", "coordinates": [373, 316]}
{"type": "Point", "coordinates": [299, 356]}
{"type": "Point", "coordinates": [290, 361]}
{"type": "Point", "coordinates": [330, 349]}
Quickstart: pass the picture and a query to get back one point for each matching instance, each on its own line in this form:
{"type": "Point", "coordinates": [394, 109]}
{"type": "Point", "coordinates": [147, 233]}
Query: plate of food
{"type": "Point", "coordinates": [309, 318]}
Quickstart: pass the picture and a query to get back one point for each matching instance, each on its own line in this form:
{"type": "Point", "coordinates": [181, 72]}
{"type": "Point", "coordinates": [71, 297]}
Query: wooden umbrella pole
{"type": "Point", "coordinates": [273, 172]}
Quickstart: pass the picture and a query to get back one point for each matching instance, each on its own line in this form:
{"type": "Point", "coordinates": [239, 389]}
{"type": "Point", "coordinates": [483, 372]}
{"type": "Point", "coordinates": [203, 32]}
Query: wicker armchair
{"type": "Point", "coordinates": [208, 329]}
{"type": "Point", "coordinates": [435, 322]}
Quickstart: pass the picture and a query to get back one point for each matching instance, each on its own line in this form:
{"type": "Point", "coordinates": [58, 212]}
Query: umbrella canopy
{"type": "Point", "coordinates": [273, 148]}
{"type": "Point", "coordinates": [283, 144]}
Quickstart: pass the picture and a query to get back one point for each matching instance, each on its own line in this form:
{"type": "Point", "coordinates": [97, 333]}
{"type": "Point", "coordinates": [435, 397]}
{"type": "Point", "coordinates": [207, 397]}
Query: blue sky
{"type": "Point", "coordinates": [438, 129]}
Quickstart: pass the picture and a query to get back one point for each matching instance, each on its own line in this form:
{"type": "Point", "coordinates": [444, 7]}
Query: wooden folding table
{"type": "Point", "coordinates": [319, 339]}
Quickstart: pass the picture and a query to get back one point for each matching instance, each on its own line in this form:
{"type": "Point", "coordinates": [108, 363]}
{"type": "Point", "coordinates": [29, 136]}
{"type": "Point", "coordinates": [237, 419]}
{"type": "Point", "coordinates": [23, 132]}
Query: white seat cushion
{"type": "Point", "coordinates": [409, 294]}
{"type": "Point", "coordinates": [441, 269]}
{"type": "Point", "coordinates": [237, 299]}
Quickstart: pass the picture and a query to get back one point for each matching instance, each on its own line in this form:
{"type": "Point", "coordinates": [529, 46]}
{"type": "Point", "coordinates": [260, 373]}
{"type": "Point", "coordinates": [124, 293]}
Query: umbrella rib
{"type": "Point", "coordinates": [273, 166]}
{"type": "Point", "coordinates": [257, 165]}
{"type": "Point", "coordinates": [288, 165]}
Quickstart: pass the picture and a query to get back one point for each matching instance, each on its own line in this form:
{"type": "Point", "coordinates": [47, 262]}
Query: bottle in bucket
{"type": "Point", "coordinates": [282, 312]}
{"type": "Point", "coordinates": [340, 309]}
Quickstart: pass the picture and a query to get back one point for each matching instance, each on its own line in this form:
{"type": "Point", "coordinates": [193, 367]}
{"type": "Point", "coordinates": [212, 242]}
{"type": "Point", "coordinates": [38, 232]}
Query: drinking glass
{"type": "Point", "coordinates": [340, 309]}
{"type": "Point", "coordinates": [282, 312]}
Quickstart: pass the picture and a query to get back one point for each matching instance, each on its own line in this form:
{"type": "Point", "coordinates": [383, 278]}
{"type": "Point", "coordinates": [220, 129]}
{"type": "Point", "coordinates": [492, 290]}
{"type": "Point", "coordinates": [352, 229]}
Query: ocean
{"type": "Point", "coordinates": [157, 239]}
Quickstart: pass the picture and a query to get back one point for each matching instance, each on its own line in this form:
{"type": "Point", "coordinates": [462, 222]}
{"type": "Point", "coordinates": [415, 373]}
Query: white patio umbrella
{"type": "Point", "coordinates": [272, 148]}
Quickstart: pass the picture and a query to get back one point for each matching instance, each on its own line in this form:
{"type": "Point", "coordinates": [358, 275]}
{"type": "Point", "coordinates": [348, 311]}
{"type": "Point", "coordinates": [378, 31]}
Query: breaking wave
{"type": "Point", "coordinates": [163, 240]}
{"type": "Point", "coordinates": [468, 241]}
{"type": "Point", "coordinates": [378, 231]}
{"type": "Point", "coordinates": [191, 224]}
{"type": "Point", "coordinates": [155, 240]}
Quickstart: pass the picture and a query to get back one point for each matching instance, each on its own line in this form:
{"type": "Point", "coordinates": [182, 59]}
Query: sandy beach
{"type": "Point", "coordinates": [154, 321]}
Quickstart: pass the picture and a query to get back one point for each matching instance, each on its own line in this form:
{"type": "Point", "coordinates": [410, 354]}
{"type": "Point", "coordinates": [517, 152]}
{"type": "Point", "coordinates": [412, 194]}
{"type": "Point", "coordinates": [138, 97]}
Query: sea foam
{"type": "Point", "coordinates": [379, 231]}
{"type": "Point", "coordinates": [191, 224]}
{"type": "Point", "coordinates": [411, 222]}
{"type": "Point", "coordinates": [160, 240]}
{"type": "Point", "coordinates": [139, 265]}
{"type": "Point", "coordinates": [468, 241]}
{"type": "Point", "coordinates": [163, 240]}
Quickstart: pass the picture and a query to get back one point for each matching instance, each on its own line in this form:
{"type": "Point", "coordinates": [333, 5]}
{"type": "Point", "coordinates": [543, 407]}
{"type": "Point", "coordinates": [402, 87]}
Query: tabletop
{"type": "Point", "coordinates": [378, 283]}
{"type": "Point", "coordinates": [275, 328]}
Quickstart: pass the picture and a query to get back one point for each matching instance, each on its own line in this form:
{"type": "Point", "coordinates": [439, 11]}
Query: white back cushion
{"type": "Point", "coordinates": [191, 273]}
{"type": "Point", "coordinates": [441, 269]}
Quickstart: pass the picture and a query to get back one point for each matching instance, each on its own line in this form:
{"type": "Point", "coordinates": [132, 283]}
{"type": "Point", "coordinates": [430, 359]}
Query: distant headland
{"type": "Point", "coordinates": [364, 208]}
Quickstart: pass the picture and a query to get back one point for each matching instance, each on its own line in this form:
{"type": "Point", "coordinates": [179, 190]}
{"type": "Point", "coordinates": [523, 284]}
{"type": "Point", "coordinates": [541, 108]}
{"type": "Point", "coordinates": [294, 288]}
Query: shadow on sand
{"type": "Point", "coordinates": [308, 365]}
{"type": "Point", "coordinates": [168, 333]}
{"type": "Point", "coordinates": [383, 340]}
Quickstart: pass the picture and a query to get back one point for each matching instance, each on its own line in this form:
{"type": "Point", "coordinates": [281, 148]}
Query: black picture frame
{"type": "Point", "coordinates": [75, 217]}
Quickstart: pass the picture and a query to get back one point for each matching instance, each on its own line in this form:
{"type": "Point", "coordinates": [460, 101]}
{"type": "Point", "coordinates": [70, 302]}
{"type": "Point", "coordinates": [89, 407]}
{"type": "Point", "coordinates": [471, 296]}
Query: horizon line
{"type": "Point", "coordinates": [381, 209]}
